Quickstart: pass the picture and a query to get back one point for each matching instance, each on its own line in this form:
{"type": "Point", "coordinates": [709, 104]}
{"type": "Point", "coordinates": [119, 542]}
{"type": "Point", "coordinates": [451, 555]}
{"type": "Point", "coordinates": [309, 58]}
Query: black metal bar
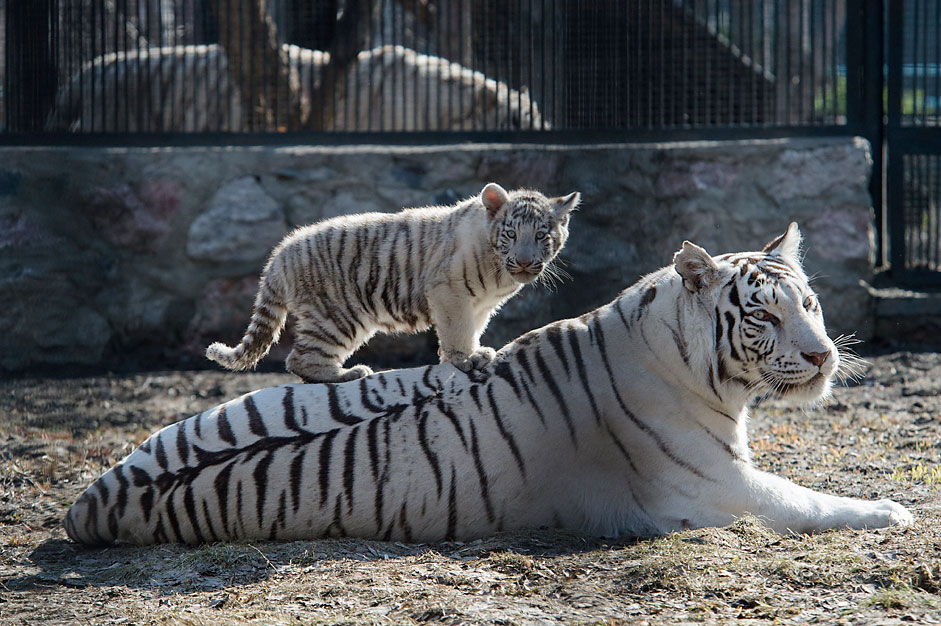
{"type": "Point", "coordinates": [894, 188]}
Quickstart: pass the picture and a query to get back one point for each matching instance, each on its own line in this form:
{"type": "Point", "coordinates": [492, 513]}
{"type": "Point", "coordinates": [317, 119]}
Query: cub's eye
{"type": "Point", "coordinates": [511, 234]}
{"type": "Point", "coordinates": [763, 316]}
{"type": "Point", "coordinates": [540, 235]}
{"type": "Point", "coordinates": [810, 303]}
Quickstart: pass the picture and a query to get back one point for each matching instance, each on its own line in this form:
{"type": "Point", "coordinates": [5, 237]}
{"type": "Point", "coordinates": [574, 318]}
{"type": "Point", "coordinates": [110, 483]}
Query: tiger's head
{"type": "Point", "coordinates": [527, 230]}
{"type": "Point", "coordinates": [770, 337]}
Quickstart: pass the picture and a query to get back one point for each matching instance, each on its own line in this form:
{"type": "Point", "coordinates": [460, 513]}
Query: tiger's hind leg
{"type": "Point", "coordinates": [321, 345]}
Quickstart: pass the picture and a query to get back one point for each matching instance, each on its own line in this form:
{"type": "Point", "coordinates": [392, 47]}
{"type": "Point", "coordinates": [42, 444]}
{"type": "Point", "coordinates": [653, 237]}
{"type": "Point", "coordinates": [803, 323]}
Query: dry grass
{"type": "Point", "coordinates": [882, 439]}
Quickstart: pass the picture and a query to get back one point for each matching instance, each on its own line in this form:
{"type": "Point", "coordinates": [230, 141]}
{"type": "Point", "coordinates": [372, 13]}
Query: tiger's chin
{"type": "Point", "coordinates": [810, 392]}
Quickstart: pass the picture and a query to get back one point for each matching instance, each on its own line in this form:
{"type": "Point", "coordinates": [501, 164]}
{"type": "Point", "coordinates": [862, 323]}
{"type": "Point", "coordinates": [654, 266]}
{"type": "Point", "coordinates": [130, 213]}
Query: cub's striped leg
{"type": "Point", "coordinates": [322, 344]}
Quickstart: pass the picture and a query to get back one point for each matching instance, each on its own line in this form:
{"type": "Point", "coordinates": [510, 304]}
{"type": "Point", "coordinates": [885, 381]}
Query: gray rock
{"type": "Point", "coordinates": [241, 224]}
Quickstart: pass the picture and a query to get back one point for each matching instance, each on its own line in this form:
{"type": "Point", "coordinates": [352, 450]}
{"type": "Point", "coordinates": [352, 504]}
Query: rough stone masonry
{"type": "Point", "coordinates": [140, 257]}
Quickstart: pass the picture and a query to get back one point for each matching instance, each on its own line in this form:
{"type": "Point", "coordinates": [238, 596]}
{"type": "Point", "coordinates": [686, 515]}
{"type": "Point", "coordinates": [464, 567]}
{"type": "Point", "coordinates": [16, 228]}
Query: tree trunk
{"type": "Point", "coordinates": [352, 32]}
{"type": "Point", "coordinates": [260, 68]}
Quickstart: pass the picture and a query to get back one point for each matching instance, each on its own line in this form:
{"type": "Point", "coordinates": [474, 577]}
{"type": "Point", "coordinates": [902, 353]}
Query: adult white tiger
{"type": "Point", "coordinates": [630, 419]}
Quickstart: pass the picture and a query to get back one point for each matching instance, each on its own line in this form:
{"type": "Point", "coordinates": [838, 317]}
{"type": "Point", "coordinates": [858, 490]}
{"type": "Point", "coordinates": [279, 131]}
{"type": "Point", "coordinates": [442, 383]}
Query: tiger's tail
{"type": "Point", "coordinates": [268, 317]}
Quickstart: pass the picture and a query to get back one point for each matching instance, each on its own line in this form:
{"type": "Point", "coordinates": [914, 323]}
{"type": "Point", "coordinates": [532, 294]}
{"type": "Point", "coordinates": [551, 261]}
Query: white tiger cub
{"type": "Point", "coordinates": [629, 420]}
{"type": "Point", "coordinates": [348, 277]}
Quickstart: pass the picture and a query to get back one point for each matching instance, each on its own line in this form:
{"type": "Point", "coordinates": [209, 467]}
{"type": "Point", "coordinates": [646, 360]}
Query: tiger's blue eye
{"type": "Point", "coordinates": [540, 235]}
{"type": "Point", "coordinates": [511, 234]}
{"type": "Point", "coordinates": [764, 316]}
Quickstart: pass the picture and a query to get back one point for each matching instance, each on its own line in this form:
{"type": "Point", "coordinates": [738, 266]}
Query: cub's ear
{"type": "Point", "coordinates": [697, 268]}
{"type": "Point", "coordinates": [493, 197]}
{"type": "Point", "coordinates": [562, 205]}
{"type": "Point", "coordinates": [786, 246]}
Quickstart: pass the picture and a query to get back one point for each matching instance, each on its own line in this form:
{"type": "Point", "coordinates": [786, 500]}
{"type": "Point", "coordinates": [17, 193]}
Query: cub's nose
{"type": "Point", "coordinates": [816, 358]}
{"type": "Point", "coordinates": [523, 264]}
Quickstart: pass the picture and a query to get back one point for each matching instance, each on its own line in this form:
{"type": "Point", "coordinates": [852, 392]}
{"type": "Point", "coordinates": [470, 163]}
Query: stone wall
{"type": "Point", "coordinates": [139, 257]}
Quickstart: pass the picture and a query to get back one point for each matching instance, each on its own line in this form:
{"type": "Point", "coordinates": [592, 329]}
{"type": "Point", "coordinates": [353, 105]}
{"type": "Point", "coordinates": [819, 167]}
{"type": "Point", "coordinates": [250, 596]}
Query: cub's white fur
{"type": "Point", "coordinates": [629, 420]}
{"type": "Point", "coordinates": [348, 277]}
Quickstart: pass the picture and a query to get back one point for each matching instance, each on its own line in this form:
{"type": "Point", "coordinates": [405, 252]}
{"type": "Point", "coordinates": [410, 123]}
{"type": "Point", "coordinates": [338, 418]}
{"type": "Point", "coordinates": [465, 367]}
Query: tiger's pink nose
{"type": "Point", "coordinates": [817, 358]}
{"type": "Point", "coordinates": [524, 264]}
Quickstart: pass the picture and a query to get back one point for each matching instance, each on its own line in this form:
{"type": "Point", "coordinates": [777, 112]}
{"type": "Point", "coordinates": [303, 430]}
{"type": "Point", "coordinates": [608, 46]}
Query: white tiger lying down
{"type": "Point", "coordinates": [629, 420]}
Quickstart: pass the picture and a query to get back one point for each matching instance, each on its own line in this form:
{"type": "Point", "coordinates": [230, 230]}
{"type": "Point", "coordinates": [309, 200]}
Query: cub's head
{"type": "Point", "coordinates": [527, 229]}
{"type": "Point", "coordinates": [769, 332]}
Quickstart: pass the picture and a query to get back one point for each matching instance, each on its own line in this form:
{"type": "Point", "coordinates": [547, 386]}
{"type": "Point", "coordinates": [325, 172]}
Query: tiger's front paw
{"type": "Point", "coordinates": [479, 359]}
{"type": "Point", "coordinates": [896, 514]}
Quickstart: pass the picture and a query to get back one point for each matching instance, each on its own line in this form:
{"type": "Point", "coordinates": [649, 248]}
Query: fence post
{"type": "Point", "coordinates": [894, 190]}
{"type": "Point", "coordinates": [31, 82]}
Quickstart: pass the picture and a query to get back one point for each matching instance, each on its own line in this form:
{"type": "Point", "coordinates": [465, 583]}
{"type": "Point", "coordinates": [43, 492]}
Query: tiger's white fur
{"type": "Point", "coordinates": [189, 88]}
{"type": "Point", "coordinates": [629, 420]}
{"type": "Point", "coordinates": [348, 277]}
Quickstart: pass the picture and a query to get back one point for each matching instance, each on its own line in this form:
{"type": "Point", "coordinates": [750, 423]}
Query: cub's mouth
{"type": "Point", "coordinates": [525, 276]}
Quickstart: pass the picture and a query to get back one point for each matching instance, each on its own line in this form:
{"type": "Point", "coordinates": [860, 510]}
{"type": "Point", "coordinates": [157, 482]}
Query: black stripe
{"type": "Point", "coordinates": [556, 393]}
{"type": "Point", "coordinates": [147, 503]}
{"type": "Point", "coordinates": [733, 295]}
{"type": "Point", "coordinates": [287, 405]}
{"type": "Point", "coordinates": [507, 436]}
{"type": "Point", "coordinates": [160, 452]}
{"type": "Point", "coordinates": [189, 504]}
{"type": "Point", "coordinates": [222, 425]}
{"type": "Point", "coordinates": [349, 461]}
{"type": "Point", "coordinates": [449, 413]}
{"type": "Point", "coordinates": [182, 449]}
{"type": "Point", "coordinates": [174, 521]}
{"type": "Point", "coordinates": [324, 462]}
{"type": "Point", "coordinates": [221, 486]}
{"type": "Point", "coordinates": [296, 475]}
{"type": "Point", "coordinates": [645, 300]}
{"type": "Point", "coordinates": [365, 400]}
{"type": "Point", "coordinates": [504, 371]}
{"type": "Point", "coordinates": [449, 534]}
{"type": "Point", "coordinates": [282, 513]}
{"type": "Point", "coordinates": [121, 498]}
{"type": "Point", "coordinates": [337, 413]}
{"type": "Point", "coordinates": [403, 522]}
{"type": "Point", "coordinates": [730, 320]}
{"type": "Point", "coordinates": [373, 447]}
{"type": "Point", "coordinates": [260, 476]}
{"type": "Point", "coordinates": [255, 423]}
{"type": "Point", "coordinates": [481, 475]}
{"type": "Point", "coordinates": [429, 453]}
{"type": "Point", "coordinates": [680, 343]}
{"type": "Point", "coordinates": [213, 536]}
{"type": "Point", "coordinates": [554, 333]}
{"type": "Point", "coordinates": [580, 368]}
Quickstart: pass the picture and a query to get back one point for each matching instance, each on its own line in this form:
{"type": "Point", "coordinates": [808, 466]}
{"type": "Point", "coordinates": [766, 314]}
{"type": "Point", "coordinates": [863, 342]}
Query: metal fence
{"type": "Point", "coordinates": [913, 140]}
{"type": "Point", "coordinates": [204, 67]}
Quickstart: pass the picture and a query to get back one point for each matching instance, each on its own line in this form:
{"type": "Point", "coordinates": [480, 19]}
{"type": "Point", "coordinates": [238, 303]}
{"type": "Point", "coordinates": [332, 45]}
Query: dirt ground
{"type": "Point", "coordinates": [879, 438]}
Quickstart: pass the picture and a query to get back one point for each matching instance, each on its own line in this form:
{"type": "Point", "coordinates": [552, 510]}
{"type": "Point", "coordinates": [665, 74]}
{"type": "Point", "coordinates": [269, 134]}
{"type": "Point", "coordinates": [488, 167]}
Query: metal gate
{"type": "Point", "coordinates": [913, 141]}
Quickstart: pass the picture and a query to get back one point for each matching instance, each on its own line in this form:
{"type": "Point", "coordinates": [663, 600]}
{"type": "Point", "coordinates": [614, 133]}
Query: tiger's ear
{"type": "Point", "coordinates": [493, 197]}
{"type": "Point", "coordinates": [697, 268]}
{"type": "Point", "coordinates": [563, 205]}
{"type": "Point", "coordinates": [786, 246]}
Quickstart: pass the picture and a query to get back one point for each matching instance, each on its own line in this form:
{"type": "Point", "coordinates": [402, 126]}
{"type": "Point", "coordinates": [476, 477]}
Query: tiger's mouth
{"type": "Point", "coordinates": [810, 389]}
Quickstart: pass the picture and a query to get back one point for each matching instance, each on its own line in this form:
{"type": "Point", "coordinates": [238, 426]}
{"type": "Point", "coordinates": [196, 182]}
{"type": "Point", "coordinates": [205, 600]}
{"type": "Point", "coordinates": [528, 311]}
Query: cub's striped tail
{"type": "Point", "coordinates": [268, 317]}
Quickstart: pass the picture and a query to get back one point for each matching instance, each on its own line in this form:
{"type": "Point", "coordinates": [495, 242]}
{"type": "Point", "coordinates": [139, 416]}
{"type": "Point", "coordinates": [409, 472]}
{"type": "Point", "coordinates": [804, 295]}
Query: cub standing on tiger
{"type": "Point", "coordinates": [348, 277]}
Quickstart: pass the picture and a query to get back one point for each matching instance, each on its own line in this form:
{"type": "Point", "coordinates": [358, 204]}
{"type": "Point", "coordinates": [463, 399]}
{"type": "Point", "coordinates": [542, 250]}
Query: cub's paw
{"type": "Point", "coordinates": [356, 372]}
{"type": "Point", "coordinates": [478, 359]}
